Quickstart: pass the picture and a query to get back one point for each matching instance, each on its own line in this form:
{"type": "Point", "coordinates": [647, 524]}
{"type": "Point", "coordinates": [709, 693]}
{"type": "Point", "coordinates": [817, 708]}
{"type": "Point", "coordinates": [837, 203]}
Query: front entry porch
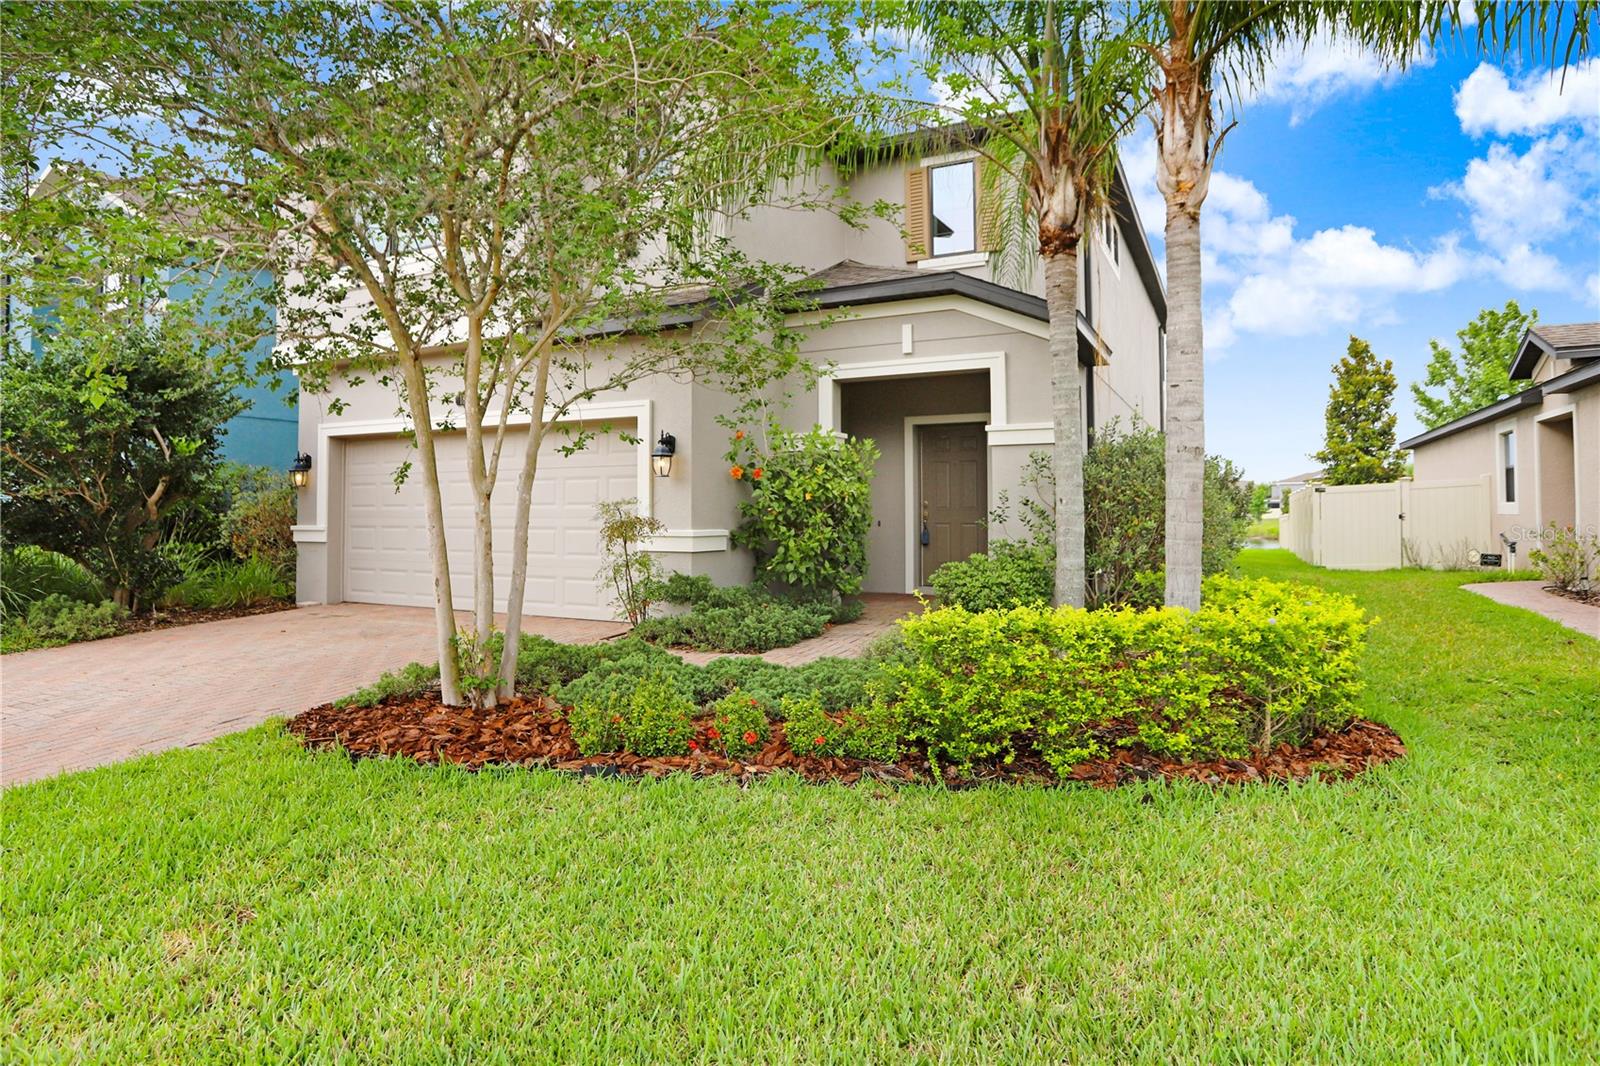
{"type": "Point", "coordinates": [932, 491]}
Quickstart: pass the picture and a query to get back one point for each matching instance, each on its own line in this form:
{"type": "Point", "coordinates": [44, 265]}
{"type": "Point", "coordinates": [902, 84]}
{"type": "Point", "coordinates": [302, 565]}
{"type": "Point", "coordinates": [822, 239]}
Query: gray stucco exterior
{"type": "Point", "coordinates": [956, 344]}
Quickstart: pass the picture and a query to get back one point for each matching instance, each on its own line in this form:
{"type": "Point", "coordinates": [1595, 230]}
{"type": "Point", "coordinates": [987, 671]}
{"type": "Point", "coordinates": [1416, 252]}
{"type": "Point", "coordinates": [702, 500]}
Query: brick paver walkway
{"type": "Point", "coordinates": [1583, 617]}
{"type": "Point", "coordinates": [846, 641]}
{"type": "Point", "coordinates": [89, 704]}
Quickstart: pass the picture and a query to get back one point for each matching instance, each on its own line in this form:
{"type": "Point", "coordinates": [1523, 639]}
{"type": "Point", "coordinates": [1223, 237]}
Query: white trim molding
{"type": "Point", "coordinates": [689, 540]}
{"type": "Point", "coordinates": [913, 522]}
{"type": "Point", "coordinates": [993, 362]}
{"type": "Point", "coordinates": [955, 261]}
{"type": "Point", "coordinates": [1031, 327]}
{"type": "Point", "coordinates": [317, 534]}
{"type": "Point", "coordinates": [1022, 433]}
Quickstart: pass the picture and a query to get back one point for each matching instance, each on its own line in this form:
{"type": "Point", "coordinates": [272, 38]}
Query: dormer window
{"type": "Point", "coordinates": [953, 208]}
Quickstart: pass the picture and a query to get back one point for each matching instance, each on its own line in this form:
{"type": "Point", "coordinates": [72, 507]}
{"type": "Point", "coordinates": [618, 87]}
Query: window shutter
{"type": "Point", "coordinates": [917, 208]}
{"type": "Point", "coordinates": [988, 193]}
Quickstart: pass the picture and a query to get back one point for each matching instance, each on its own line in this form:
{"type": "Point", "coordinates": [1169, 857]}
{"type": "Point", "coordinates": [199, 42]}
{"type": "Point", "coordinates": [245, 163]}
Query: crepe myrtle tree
{"type": "Point", "coordinates": [1041, 92]}
{"type": "Point", "coordinates": [498, 210]}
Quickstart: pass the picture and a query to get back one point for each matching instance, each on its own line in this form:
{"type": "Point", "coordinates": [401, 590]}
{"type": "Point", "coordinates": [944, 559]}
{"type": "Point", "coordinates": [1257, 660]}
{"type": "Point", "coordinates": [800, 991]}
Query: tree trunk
{"type": "Point", "coordinates": [1066, 390]}
{"type": "Point", "coordinates": [1185, 429]}
{"type": "Point", "coordinates": [519, 535]}
{"type": "Point", "coordinates": [444, 616]}
{"type": "Point", "coordinates": [1184, 157]}
{"type": "Point", "coordinates": [481, 487]}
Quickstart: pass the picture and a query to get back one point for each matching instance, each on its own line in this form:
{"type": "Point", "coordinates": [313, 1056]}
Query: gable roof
{"type": "Point", "coordinates": [1575, 340]}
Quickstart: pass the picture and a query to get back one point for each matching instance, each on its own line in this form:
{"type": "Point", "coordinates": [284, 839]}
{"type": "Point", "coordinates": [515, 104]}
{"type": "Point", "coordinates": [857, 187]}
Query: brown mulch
{"type": "Point", "coordinates": [1591, 597]}
{"type": "Point", "coordinates": [534, 732]}
{"type": "Point", "coordinates": [172, 617]}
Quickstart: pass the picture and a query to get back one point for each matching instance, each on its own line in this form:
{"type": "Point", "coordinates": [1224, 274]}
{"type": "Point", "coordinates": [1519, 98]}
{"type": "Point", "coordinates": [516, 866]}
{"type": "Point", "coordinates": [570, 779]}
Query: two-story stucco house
{"type": "Point", "coordinates": [1540, 449]}
{"type": "Point", "coordinates": [926, 351]}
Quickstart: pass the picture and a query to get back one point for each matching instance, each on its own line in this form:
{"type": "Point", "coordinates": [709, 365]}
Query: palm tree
{"type": "Point", "coordinates": [1197, 43]}
{"type": "Point", "coordinates": [1048, 88]}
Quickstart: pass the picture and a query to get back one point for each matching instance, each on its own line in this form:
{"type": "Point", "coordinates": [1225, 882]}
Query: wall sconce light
{"type": "Point", "coordinates": [300, 471]}
{"type": "Point", "coordinates": [661, 455]}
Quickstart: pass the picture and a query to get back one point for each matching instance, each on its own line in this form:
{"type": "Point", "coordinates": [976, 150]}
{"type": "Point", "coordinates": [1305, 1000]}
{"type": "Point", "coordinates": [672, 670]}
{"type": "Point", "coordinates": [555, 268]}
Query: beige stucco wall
{"type": "Point", "coordinates": [1472, 453]}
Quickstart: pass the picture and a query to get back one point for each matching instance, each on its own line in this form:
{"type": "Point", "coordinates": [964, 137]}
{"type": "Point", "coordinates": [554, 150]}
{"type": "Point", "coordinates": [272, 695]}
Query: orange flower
{"type": "Point", "coordinates": [750, 737]}
{"type": "Point", "coordinates": [711, 731]}
{"type": "Point", "coordinates": [820, 741]}
{"type": "Point", "coordinates": [756, 473]}
{"type": "Point", "coordinates": [739, 435]}
{"type": "Point", "coordinates": [736, 472]}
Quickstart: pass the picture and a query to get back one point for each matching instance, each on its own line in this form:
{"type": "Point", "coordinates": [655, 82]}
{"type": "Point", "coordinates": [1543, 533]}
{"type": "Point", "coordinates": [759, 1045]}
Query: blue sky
{"type": "Point", "coordinates": [1389, 205]}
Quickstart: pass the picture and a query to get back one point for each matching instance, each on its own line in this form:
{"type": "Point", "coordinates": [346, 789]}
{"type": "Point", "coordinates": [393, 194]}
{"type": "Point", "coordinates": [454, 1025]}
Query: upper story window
{"type": "Point", "coordinates": [1110, 237]}
{"type": "Point", "coordinates": [953, 207]}
{"type": "Point", "coordinates": [1508, 466]}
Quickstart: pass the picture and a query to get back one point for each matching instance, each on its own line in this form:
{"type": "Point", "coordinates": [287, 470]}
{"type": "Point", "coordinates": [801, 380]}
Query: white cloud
{"type": "Point", "coordinates": [1138, 154]}
{"type": "Point", "coordinates": [1527, 268]}
{"type": "Point", "coordinates": [1306, 76]}
{"type": "Point", "coordinates": [1591, 288]}
{"type": "Point", "coordinates": [1489, 102]}
{"type": "Point", "coordinates": [1519, 197]}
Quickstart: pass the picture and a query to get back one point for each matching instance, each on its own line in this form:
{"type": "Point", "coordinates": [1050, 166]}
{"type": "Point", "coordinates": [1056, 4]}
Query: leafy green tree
{"type": "Point", "coordinates": [461, 200]}
{"type": "Point", "coordinates": [1043, 92]}
{"type": "Point", "coordinates": [1481, 373]}
{"type": "Point", "coordinates": [92, 472]}
{"type": "Point", "coordinates": [1359, 444]}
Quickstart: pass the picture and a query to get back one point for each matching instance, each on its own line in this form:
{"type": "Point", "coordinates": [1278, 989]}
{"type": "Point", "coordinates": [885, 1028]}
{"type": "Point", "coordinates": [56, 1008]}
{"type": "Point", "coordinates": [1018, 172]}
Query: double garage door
{"type": "Point", "coordinates": [385, 531]}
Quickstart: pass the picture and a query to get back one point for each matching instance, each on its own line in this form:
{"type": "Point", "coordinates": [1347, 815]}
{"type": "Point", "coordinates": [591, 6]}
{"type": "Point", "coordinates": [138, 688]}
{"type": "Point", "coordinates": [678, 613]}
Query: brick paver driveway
{"type": "Point", "coordinates": [88, 704]}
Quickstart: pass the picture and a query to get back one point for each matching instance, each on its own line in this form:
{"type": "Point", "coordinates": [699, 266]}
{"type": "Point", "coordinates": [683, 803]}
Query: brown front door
{"type": "Point", "coordinates": [953, 494]}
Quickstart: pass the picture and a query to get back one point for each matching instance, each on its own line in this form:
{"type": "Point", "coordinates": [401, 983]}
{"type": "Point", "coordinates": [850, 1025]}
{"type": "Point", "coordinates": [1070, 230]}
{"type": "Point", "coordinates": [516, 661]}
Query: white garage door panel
{"type": "Point", "coordinates": [385, 531]}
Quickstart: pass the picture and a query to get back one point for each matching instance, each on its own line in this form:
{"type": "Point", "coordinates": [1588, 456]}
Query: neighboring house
{"type": "Point", "coordinates": [941, 363]}
{"type": "Point", "coordinates": [1282, 488]}
{"type": "Point", "coordinates": [1539, 449]}
{"type": "Point", "coordinates": [264, 433]}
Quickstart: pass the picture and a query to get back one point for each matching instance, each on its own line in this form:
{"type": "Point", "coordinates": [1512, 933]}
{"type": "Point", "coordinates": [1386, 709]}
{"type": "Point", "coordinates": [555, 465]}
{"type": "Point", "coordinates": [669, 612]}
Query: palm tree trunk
{"type": "Point", "coordinates": [1066, 391]}
{"type": "Point", "coordinates": [1185, 429]}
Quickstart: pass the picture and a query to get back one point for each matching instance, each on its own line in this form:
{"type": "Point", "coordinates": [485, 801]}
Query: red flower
{"type": "Point", "coordinates": [752, 703]}
{"type": "Point", "coordinates": [750, 737]}
{"type": "Point", "coordinates": [693, 746]}
{"type": "Point", "coordinates": [820, 741]}
{"type": "Point", "coordinates": [711, 731]}
{"type": "Point", "coordinates": [756, 473]}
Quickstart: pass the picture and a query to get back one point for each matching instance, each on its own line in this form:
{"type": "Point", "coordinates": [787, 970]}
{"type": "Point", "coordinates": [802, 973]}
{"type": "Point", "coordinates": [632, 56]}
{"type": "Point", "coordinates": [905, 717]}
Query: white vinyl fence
{"type": "Point", "coordinates": [1381, 527]}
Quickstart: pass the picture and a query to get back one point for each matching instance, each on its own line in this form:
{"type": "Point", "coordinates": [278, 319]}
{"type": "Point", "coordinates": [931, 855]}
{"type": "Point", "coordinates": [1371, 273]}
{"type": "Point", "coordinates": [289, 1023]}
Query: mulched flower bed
{"type": "Point", "coordinates": [1590, 597]}
{"type": "Point", "coordinates": [534, 732]}
{"type": "Point", "coordinates": [172, 617]}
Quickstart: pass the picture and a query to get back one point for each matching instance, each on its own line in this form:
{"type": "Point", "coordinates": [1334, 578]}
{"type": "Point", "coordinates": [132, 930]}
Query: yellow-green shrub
{"type": "Point", "coordinates": [1259, 663]}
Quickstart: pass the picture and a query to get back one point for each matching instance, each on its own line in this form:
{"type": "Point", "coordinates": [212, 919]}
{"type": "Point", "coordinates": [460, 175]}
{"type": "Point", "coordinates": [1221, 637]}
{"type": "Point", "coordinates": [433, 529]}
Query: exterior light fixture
{"type": "Point", "coordinates": [661, 455]}
{"type": "Point", "coordinates": [300, 471]}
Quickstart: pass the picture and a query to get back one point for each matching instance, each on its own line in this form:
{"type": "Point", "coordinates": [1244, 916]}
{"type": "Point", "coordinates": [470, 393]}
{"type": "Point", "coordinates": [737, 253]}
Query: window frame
{"type": "Point", "coordinates": [970, 162]}
{"type": "Point", "coordinates": [1111, 240]}
{"type": "Point", "coordinates": [1506, 500]}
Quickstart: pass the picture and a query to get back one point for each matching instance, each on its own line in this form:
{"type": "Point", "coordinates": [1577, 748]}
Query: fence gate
{"type": "Point", "coordinates": [1380, 527]}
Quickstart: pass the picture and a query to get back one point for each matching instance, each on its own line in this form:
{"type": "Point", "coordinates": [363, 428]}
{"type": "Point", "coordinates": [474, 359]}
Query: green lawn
{"type": "Point", "coordinates": [248, 901]}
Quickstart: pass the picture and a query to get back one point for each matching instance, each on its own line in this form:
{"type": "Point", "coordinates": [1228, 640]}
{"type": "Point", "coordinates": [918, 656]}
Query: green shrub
{"type": "Point", "coordinates": [409, 681]}
{"type": "Point", "coordinates": [733, 619]}
{"type": "Point", "coordinates": [1012, 574]}
{"type": "Point", "coordinates": [29, 574]}
{"type": "Point", "coordinates": [809, 509]}
{"type": "Point", "coordinates": [544, 665]}
{"type": "Point", "coordinates": [739, 726]}
{"type": "Point", "coordinates": [250, 583]}
{"type": "Point", "coordinates": [646, 709]}
{"type": "Point", "coordinates": [1566, 558]}
{"type": "Point", "coordinates": [64, 620]}
{"type": "Point", "coordinates": [257, 523]}
{"type": "Point", "coordinates": [872, 732]}
{"type": "Point", "coordinates": [1124, 504]}
{"type": "Point", "coordinates": [1260, 663]}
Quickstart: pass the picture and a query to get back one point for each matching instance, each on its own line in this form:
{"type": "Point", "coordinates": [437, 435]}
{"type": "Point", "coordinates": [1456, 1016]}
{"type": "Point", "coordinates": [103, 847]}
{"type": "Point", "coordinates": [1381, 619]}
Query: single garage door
{"type": "Point", "coordinates": [385, 531]}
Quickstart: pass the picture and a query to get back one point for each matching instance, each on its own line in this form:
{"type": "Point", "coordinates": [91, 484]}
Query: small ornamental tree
{"type": "Point", "coordinates": [809, 510]}
{"type": "Point", "coordinates": [102, 444]}
{"type": "Point", "coordinates": [1359, 447]}
{"type": "Point", "coordinates": [1480, 374]}
{"type": "Point", "coordinates": [463, 201]}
